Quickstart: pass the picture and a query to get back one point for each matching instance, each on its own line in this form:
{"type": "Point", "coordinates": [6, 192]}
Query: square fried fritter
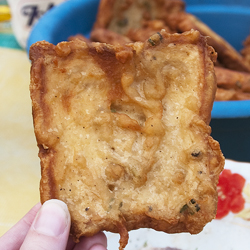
{"type": "Point", "coordinates": [123, 133]}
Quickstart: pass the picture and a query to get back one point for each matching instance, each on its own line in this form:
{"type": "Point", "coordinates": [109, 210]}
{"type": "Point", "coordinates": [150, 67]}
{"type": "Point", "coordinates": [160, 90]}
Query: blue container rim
{"type": "Point", "coordinates": [231, 109]}
{"type": "Point", "coordinates": [43, 29]}
{"type": "Point", "coordinates": [217, 8]}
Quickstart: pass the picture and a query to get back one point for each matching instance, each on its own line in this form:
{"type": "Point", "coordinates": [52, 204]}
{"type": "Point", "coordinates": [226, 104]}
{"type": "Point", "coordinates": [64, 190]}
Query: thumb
{"type": "Point", "coordinates": [50, 228]}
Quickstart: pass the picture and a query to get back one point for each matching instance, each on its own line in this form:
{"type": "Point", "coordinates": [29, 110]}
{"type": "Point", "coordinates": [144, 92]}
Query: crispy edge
{"type": "Point", "coordinates": [39, 112]}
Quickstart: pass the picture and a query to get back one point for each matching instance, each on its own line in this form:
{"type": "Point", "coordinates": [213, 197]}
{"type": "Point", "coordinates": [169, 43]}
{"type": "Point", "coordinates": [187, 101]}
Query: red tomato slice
{"type": "Point", "coordinates": [222, 207]}
{"type": "Point", "coordinates": [223, 180]}
{"type": "Point", "coordinates": [234, 185]}
{"type": "Point", "coordinates": [225, 173]}
{"type": "Point", "coordinates": [237, 181]}
{"type": "Point", "coordinates": [230, 193]}
{"type": "Point", "coordinates": [222, 212]}
{"type": "Point", "coordinates": [237, 204]}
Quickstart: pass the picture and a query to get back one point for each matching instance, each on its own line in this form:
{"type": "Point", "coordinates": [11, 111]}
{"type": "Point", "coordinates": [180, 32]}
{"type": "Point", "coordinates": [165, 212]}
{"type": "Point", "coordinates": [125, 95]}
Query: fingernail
{"type": "Point", "coordinates": [98, 247]}
{"type": "Point", "coordinates": [52, 219]}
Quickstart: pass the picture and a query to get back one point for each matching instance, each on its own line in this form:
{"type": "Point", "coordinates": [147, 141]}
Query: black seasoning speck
{"type": "Point", "coordinates": [184, 208]}
{"type": "Point", "coordinates": [151, 42]}
{"type": "Point", "coordinates": [193, 201]}
{"type": "Point", "coordinates": [196, 153]}
{"type": "Point", "coordinates": [160, 35]}
{"type": "Point", "coordinates": [197, 207]}
{"type": "Point", "coordinates": [87, 209]}
{"type": "Point", "coordinates": [150, 209]}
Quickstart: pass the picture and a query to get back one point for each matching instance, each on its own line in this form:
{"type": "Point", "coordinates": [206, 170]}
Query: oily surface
{"type": "Point", "coordinates": [123, 132]}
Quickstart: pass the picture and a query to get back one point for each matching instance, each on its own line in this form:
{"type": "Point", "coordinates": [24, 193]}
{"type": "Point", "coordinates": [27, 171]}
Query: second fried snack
{"type": "Point", "coordinates": [231, 79]}
{"type": "Point", "coordinates": [123, 133]}
{"type": "Point", "coordinates": [107, 36]}
{"type": "Point", "coordinates": [227, 55]}
{"type": "Point", "coordinates": [231, 95]}
{"type": "Point", "coordinates": [130, 17]}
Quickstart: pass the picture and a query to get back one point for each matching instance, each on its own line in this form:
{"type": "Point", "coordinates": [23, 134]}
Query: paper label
{"type": "Point", "coordinates": [25, 13]}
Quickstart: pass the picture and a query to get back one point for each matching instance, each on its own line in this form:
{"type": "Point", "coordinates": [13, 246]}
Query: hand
{"type": "Point", "coordinates": [46, 227]}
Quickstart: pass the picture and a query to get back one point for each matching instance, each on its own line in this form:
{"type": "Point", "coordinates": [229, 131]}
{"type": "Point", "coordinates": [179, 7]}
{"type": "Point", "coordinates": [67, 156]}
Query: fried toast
{"type": "Point", "coordinates": [123, 132]}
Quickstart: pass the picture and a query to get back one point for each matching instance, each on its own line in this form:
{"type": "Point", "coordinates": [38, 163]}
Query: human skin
{"type": "Point", "coordinates": [47, 226]}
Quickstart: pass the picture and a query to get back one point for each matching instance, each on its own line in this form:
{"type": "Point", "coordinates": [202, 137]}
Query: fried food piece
{"type": "Point", "coordinates": [141, 34]}
{"type": "Point", "coordinates": [246, 50]}
{"type": "Point", "coordinates": [240, 96]}
{"type": "Point", "coordinates": [231, 95]}
{"type": "Point", "coordinates": [172, 11]}
{"type": "Point", "coordinates": [227, 55]}
{"type": "Point", "coordinates": [80, 37]}
{"type": "Point", "coordinates": [107, 36]}
{"type": "Point", "coordinates": [225, 94]}
{"type": "Point", "coordinates": [232, 85]}
{"type": "Point", "coordinates": [123, 133]}
{"type": "Point", "coordinates": [127, 16]}
{"type": "Point", "coordinates": [148, 29]}
{"type": "Point", "coordinates": [231, 79]}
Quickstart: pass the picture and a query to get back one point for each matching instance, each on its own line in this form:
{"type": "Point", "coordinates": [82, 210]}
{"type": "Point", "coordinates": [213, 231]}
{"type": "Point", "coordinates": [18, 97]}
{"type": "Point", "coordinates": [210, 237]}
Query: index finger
{"type": "Point", "coordinates": [13, 239]}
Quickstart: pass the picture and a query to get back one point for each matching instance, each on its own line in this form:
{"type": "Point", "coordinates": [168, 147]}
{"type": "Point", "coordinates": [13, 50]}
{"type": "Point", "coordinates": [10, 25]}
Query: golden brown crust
{"type": "Point", "coordinates": [124, 135]}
